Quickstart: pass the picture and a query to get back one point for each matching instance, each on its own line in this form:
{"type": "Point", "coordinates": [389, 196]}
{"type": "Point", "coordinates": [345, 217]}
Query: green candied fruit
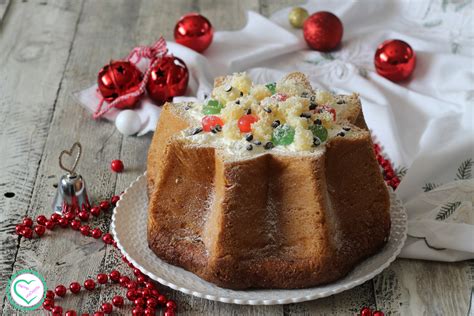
{"type": "Point", "coordinates": [320, 132]}
{"type": "Point", "coordinates": [212, 107]}
{"type": "Point", "coordinates": [272, 87]}
{"type": "Point", "coordinates": [283, 135]}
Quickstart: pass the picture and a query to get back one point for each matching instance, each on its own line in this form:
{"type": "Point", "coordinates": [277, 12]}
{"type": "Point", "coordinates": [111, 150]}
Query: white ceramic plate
{"type": "Point", "coordinates": [129, 228]}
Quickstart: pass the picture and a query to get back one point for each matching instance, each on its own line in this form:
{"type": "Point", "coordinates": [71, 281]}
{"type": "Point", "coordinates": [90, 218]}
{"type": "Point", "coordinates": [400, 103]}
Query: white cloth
{"type": "Point", "coordinates": [425, 125]}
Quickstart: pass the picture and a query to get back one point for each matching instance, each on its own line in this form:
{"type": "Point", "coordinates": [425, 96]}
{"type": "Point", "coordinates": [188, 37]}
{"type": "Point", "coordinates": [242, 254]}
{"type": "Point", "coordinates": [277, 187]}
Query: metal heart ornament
{"type": "Point", "coordinates": [72, 194]}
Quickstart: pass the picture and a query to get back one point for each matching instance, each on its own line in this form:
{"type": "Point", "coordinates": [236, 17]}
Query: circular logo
{"type": "Point", "coordinates": [26, 290]}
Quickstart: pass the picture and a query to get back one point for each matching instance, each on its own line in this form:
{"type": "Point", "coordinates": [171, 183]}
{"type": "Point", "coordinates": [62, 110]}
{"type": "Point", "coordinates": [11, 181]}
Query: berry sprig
{"type": "Point", "coordinates": [367, 311]}
{"type": "Point", "coordinates": [389, 174]}
{"type": "Point", "coordinates": [141, 291]}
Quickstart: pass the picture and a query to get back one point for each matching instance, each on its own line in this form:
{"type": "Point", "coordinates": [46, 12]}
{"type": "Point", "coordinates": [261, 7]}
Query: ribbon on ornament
{"type": "Point", "coordinates": [152, 53]}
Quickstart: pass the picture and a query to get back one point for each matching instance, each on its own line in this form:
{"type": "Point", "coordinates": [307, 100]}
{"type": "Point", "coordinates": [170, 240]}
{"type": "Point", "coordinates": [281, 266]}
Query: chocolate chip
{"type": "Point", "coordinates": [341, 134]}
{"type": "Point", "coordinates": [275, 123]}
{"type": "Point", "coordinates": [241, 94]}
{"type": "Point", "coordinates": [340, 102]}
{"type": "Point", "coordinates": [304, 94]}
{"type": "Point", "coordinates": [249, 147]}
{"type": "Point", "coordinates": [316, 141]}
{"type": "Point", "coordinates": [313, 106]}
{"type": "Point", "coordinates": [346, 129]}
{"type": "Point", "coordinates": [217, 128]}
{"type": "Point", "coordinates": [312, 99]}
{"type": "Point", "coordinates": [305, 115]}
{"type": "Point", "coordinates": [197, 130]}
{"type": "Point", "coordinates": [249, 137]}
{"type": "Point", "coordinates": [228, 88]}
{"type": "Point", "coordinates": [237, 102]}
{"type": "Point", "coordinates": [249, 111]}
{"type": "Point", "coordinates": [318, 122]}
{"type": "Point", "coordinates": [257, 142]}
{"type": "Point", "coordinates": [268, 110]}
{"type": "Point", "coordinates": [269, 145]}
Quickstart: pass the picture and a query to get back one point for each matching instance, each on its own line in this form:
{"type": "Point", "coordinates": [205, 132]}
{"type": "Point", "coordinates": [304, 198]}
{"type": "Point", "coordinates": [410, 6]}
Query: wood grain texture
{"type": "Point", "coordinates": [57, 49]}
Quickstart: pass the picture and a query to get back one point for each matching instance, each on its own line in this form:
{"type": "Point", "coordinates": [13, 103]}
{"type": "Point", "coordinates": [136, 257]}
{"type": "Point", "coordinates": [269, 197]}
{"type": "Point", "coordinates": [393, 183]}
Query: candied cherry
{"type": "Point", "coordinates": [210, 121]}
{"type": "Point", "coordinates": [246, 121]}
{"type": "Point", "coordinates": [212, 107]}
{"type": "Point", "coordinates": [283, 135]}
{"type": "Point", "coordinates": [329, 109]}
{"type": "Point", "coordinates": [319, 131]}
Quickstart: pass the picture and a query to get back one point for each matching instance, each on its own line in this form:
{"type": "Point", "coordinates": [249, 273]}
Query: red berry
{"type": "Point", "coordinates": [149, 311]}
{"type": "Point", "coordinates": [106, 308]}
{"type": "Point", "coordinates": [150, 286]}
{"type": "Point", "coordinates": [89, 284]}
{"type": "Point", "coordinates": [98, 314]}
{"type": "Point", "coordinates": [131, 295]}
{"type": "Point", "coordinates": [116, 165]}
{"type": "Point", "coordinates": [85, 314]}
{"type": "Point", "coordinates": [41, 219]}
{"type": "Point", "coordinates": [27, 232]}
{"type": "Point", "coordinates": [115, 199]}
{"type": "Point", "coordinates": [104, 205]}
{"type": "Point", "coordinates": [139, 302]}
{"type": "Point", "coordinates": [63, 222]}
{"type": "Point", "coordinates": [55, 217]}
{"type": "Point", "coordinates": [85, 230]}
{"type": "Point", "coordinates": [161, 299]}
{"type": "Point", "coordinates": [95, 211]}
{"type": "Point", "coordinates": [365, 311]}
{"type": "Point", "coordinates": [117, 301]}
{"type": "Point", "coordinates": [75, 224]}
{"type": "Point", "coordinates": [151, 302]}
{"type": "Point", "coordinates": [60, 290]}
{"type": "Point", "coordinates": [171, 304]}
{"type": "Point", "coordinates": [115, 276]}
{"type": "Point", "coordinates": [19, 229]}
{"type": "Point", "coordinates": [169, 312]}
{"type": "Point", "coordinates": [40, 230]}
{"type": "Point", "coordinates": [145, 292]}
{"type": "Point", "coordinates": [155, 293]}
{"type": "Point", "coordinates": [124, 281]}
{"type": "Point", "coordinates": [378, 313]}
{"type": "Point", "coordinates": [108, 239]}
{"type": "Point", "coordinates": [96, 233]}
{"type": "Point", "coordinates": [137, 311]}
{"type": "Point", "coordinates": [141, 279]}
{"type": "Point", "coordinates": [69, 216]}
{"type": "Point", "coordinates": [75, 287]}
{"type": "Point", "coordinates": [102, 278]}
{"type": "Point", "coordinates": [48, 304]}
{"type": "Point", "coordinates": [28, 222]}
{"type": "Point", "coordinates": [57, 310]}
{"type": "Point", "coordinates": [132, 285]}
{"type": "Point", "coordinates": [210, 121]}
{"type": "Point", "coordinates": [50, 294]}
{"type": "Point", "coordinates": [84, 215]}
{"type": "Point", "coordinates": [70, 313]}
{"type": "Point", "coordinates": [246, 121]}
{"type": "Point", "coordinates": [137, 272]}
{"type": "Point", "coordinates": [124, 259]}
{"type": "Point", "coordinates": [50, 225]}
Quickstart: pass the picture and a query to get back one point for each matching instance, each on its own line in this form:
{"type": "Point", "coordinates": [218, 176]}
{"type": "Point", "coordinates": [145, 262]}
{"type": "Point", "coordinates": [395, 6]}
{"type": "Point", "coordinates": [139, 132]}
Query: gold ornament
{"type": "Point", "coordinates": [297, 17]}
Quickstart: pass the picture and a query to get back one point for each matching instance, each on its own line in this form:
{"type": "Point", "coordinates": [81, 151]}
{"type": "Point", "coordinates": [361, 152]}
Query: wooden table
{"type": "Point", "coordinates": [52, 48]}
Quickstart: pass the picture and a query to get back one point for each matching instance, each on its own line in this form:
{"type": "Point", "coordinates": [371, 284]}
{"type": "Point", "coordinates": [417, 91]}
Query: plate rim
{"type": "Point", "coordinates": [230, 300]}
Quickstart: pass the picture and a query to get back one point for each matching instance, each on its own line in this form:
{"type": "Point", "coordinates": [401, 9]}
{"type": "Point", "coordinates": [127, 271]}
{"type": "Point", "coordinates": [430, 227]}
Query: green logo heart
{"type": "Point", "coordinates": [19, 295]}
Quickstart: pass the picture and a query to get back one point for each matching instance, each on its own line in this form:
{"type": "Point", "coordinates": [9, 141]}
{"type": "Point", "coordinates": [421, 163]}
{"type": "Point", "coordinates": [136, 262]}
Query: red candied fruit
{"type": "Point", "coordinates": [246, 121]}
{"type": "Point", "coordinates": [210, 121]}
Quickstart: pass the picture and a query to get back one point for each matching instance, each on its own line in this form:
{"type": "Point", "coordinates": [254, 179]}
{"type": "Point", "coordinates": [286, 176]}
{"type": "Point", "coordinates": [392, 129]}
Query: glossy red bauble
{"type": "Point", "coordinates": [116, 165]}
{"type": "Point", "coordinates": [70, 313]}
{"type": "Point", "coordinates": [395, 60]}
{"type": "Point", "coordinates": [40, 230]}
{"type": "Point", "coordinates": [365, 311]}
{"type": "Point", "coordinates": [96, 233]}
{"type": "Point", "coordinates": [89, 284]}
{"type": "Point", "coordinates": [114, 276]}
{"type": "Point", "coordinates": [115, 199]}
{"type": "Point", "coordinates": [194, 31]}
{"type": "Point", "coordinates": [117, 301]}
{"type": "Point", "coordinates": [27, 232]}
{"type": "Point", "coordinates": [108, 239]}
{"type": "Point", "coordinates": [50, 294]}
{"type": "Point", "coordinates": [102, 278]}
{"type": "Point", "coordinates": [95, 211]}
{"type": "Point", "coordinates": [41, 219]}
{"type": "Point", "coordinates": [60, 290]}
{"type": "Point", "coordinates": [171, 304]}
{"type": "Point", "coordinates": [119, 78]}
{"type": "Point", "coordinates": [48, 304]}
{"type": "Point", "coordinates": [168, 78]}
{"type": "Point", "coordinates": [85, 230]}
{"type": "Point", "coordinates": [28, 222]}
{"type": "Point", "coordinates": [104, 205]}
{"type": "Point", "coordinates": [323, 31]}
{"type": "Point", "coordinates": [106, 308]}
{"type": "Point", "coordinates": [84, 215]}
{"type": "Point", "coordinates": [378, 313]}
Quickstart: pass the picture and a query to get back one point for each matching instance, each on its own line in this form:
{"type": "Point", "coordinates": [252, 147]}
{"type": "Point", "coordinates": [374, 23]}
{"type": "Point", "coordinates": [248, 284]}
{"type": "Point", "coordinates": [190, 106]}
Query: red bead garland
{"type": "Point", "coordinates": [140, 291]}
{"type": "Point", "coordinates": [389, 173]}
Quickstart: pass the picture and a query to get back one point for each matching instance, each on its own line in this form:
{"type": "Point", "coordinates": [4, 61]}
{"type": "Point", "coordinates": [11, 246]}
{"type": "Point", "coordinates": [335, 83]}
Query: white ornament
{"type": "Point", "coordinates": [128, 122]}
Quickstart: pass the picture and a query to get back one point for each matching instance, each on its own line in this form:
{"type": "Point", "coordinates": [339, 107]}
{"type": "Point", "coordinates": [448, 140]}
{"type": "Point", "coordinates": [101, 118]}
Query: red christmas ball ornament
{"type": "Point", "coordinates": [323, 31]}
{"type": "Point", "coordinates": [168, 78]}
{"type": "Point", "coordinates": [116, 165]}
{"type": "Point", "coordinates": [194, 31]}
{"type": "Point", "coordinates": [395, 60]}
{"type": "Point", "coordinates": [119, 78]}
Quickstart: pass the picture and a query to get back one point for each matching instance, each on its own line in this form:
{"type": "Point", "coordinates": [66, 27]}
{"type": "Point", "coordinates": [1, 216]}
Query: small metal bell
{"type": "Point", "coordinates": [72, 194]}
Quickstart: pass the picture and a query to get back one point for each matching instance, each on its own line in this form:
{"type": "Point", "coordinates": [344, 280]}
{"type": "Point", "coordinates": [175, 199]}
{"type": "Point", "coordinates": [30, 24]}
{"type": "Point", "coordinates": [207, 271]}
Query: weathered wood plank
{"type": "Point", "coordinates": [415, 287]}
{"type": "Point", "coordinates": [33, 56]}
